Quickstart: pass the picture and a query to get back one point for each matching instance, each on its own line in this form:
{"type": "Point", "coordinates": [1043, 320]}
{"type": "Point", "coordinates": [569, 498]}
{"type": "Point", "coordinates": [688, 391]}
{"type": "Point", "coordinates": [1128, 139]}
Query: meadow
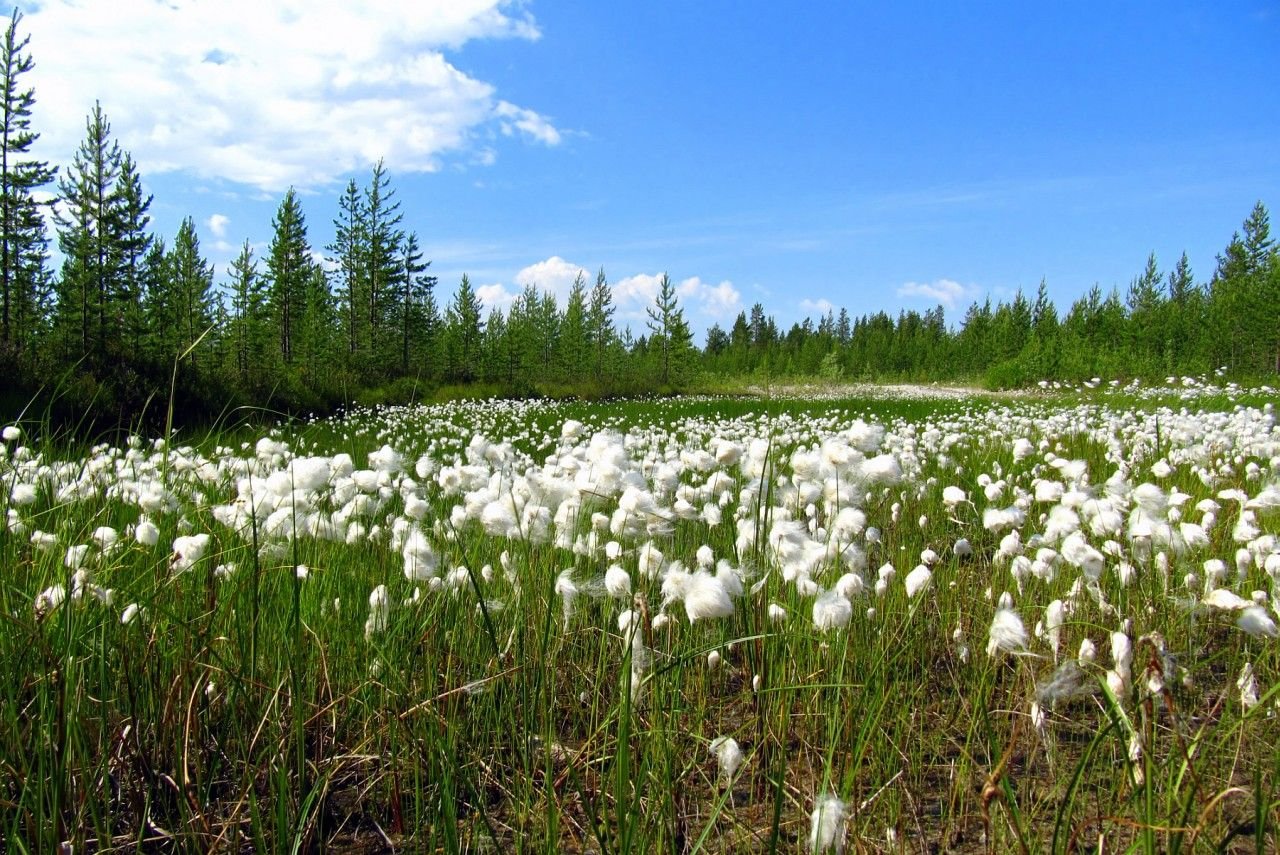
{"type": "Point", "coordinates": [1041, 623]}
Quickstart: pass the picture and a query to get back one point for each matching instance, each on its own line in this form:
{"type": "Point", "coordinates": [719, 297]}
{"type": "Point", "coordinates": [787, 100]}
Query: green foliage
{"type": "Point", "coordinates": [24, 286]}
{"type": "Point", "coordinates": [126, 304]}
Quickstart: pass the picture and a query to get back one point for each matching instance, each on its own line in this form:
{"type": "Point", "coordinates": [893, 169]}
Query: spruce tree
{"type": "Point", "coordinates": [415, 289]}
{"type": "Point", "coordinates": [319, 345]}
{"type": "Point", "coordinates": [601, 335]}
{"type": "Point", "coordinates": [573, 343]}
{"type": "Point", "coordinates": [1146, 314]}
{"type": "Point", "coordinates": [670, 340]}
{"type": "Point", "coordinates": [90, 232]}
{"type": "Point", "coordinates": [381, 266]}
{"type": "Point", "coordinates": [498, 363]}
{"type": "Point", "coordinates": [23, 241]}
{"type": "Point", "coordinates": [134, 243]}
{"type": "Point", "coordinates": [1184, 318]}
{"type": "Point", "coordinates": [191, 310]}
{"type": "Point", "coordinates": [348, 254]}
{"type": "Point", "coordinates": [462, 332]}
{"type": "Point", "coordinates": [289, 267]}
{"type": "Point", "coordinates": [248, 321]}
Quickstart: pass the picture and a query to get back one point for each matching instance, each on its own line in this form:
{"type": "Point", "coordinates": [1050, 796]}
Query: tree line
{"type": "Point", "coordinates": [1166, 323]}
{"type": "Point", "coordinates": [301, 327]}
{"type": "Point", "coordinates": [310, 328]}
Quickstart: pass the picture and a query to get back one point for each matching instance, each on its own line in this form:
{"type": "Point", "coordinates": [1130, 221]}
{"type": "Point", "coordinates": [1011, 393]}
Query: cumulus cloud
{"type": "Point", "coordinates": [496, 296]}
{"type": "Point", "coordinates": [948, 292]}
{"type": "Point", "coordinates": [555, 275]}
{"type": "Point", "coordinates": [633, 294]}
{"type": "Point", "coordinates": [218, 225]}
{"type": "Point", "coordinates": [304, 94]}
{"type": "Point", "coordinates": [819, 306]}
{"type": "Point", "coordinates": [710, 302]}
{"type": "Point", "coordinates": [702, 301]}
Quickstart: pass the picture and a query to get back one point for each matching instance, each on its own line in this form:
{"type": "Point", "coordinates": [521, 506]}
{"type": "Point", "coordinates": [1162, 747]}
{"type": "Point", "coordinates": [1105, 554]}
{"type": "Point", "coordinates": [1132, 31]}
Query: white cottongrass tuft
{"type": "Point", "coordinates": [1054, 616]}
{"type": "Point", "coordinates": [146, 533]}
{"type": "Point", "coordinates": [831, 611]}
{"type": "Point", "coordinates": [918, 580]}
{"type": "Point", "coordinates": [379, 611]}
{"type": "Point", "coordinates": [728, 755]}
{"type": "Point", "coordinates": [826, 828]}
{"type": "Point", "coordinates": [1007, 633]}
{"type": "Point", "coordinates": [567, 590]}
{"type": "Point", "coordinates": [187, 550]}
{"type": "Point", "coordinates": [706, 598]}
{"type": "Point", "coordinates": [617, 582]}
{"type": "Point", "coordinates": [1255, 621]}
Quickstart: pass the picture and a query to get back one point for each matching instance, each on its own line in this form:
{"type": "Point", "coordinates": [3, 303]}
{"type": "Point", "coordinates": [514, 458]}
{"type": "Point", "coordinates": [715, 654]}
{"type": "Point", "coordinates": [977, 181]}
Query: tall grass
{"type": "Point", "coordinates": [250, 710]}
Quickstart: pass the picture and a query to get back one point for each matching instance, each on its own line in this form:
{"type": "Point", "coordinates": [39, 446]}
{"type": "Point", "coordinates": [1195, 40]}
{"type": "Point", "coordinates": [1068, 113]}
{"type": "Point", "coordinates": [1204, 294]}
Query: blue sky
{"type": "Point", "coordinates": [801, 155]}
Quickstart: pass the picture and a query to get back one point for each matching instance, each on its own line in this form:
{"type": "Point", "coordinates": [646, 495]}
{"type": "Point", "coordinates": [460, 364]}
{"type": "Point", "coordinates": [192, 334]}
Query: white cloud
{"type": "Point", "coordinates": [948, 292]}
{"type": "Point", "coordinates": [555, 275]}
{"type": "Point", "coordinates": [710, 302]}
{"type": "Point", "coordinates": [218, 225]}
{"type": "Point", "coordinates": [512, 118]}
{"type": "Point", "coordinates": [495, 296]}
{"type": "Point", "coordinates": [819, 306]}
{"type": "Point", "coordinates": [703, 303]}
{"type": "Point", "coordinates": [303, 94]}
{"type": "Point", "coordinates": [632, 295]}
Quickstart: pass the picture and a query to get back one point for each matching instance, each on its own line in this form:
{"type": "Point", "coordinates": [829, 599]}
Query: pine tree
{"type": "Point", "coordinates": [189, 310]}
{"type": "Point", "coordinates": [759, 329]}
{"type": "Point", "coordinates": [601, 335]}
{"type": "Point", "coordinates": [1261, 293]}
{"type": "Point", "coordinates": [134, 243]}
{"type": "Point", "coordinates": [843, 330]}
{"type": "Point", "coordinates": [90, 235]}
{"type": "Point", "coordinates": [462, 332]}
{"type": "Point", "coordinates": [248, 318]}
{"type": "Point", "coordinates": [1146, 311]}
{"type": "Point", "coordinates": [381, 266]}
{"type": "Point", "coordinates": [546, 317]}
{"type": "Point", "coordinates": [348, 254]}
{"type": "Point", "coordinates": [156, 284]}
{"type": "Point", "coordinates": [670, 340]}
{"type": "Point", "coordinates": [717, 341]}
{"type": "Point", "coordinates": [289, 267]}
{"type": "Point", "coordinates": [1242, 298]}
{"type": "Point", "coordinates": [524, 336]}
{"type": "Point", "coordinates": [319, 345]}
{"type": "Point", "coordinates": [1258, 245]}
{"type": "Point", "coordinates": [23, 241]}
{"type": "Point", "coordinates": [574, 334]}
{"type": "Point", "coordinates": [498, 361]}
{"type": "Point", "coordinates": [415, 290]}
{"type": "Point", "coordinates": [1184, 318]}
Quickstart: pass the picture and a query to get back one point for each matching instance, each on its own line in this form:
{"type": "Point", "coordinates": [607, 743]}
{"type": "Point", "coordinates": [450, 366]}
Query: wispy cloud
{"type": "Point", "coordinates": [304, 94]}
{"type": "Point", "coordinates": [948, 292]}
{"type": "Point", "coordinates": [819, 306]}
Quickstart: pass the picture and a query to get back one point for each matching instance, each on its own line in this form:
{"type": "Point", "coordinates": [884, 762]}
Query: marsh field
{"type": "Point", "coordinates": [898, 623]}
